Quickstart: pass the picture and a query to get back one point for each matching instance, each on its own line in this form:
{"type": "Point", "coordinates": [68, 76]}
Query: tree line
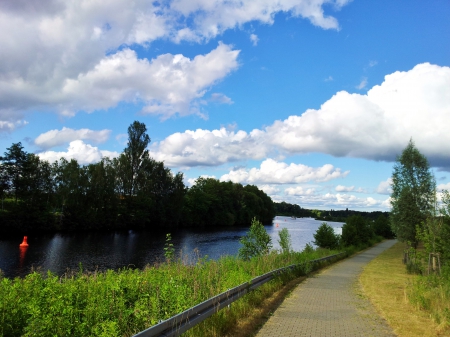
{"type": "Point", "coordinates": [130, 191]}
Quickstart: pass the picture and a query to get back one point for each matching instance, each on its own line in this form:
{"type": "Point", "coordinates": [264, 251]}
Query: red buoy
{"type": "Point", "coordinates": [24, 242]}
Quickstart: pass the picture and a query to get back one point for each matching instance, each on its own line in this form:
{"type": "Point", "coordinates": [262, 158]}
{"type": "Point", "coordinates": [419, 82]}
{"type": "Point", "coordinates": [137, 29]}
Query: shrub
{"type": "Point", "coordinates": [256, 242]}
{"type": "Point", "coordinates": [325, 237]}
{"type": "Point", "coordinates": [356, 231]}
{"type": "Point", "coordinates": [285, 240]}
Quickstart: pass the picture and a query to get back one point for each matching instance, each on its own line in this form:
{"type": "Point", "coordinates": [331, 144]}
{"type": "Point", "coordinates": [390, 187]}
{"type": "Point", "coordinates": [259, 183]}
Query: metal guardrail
{"type": "Point", "coordinates": [182, 322]}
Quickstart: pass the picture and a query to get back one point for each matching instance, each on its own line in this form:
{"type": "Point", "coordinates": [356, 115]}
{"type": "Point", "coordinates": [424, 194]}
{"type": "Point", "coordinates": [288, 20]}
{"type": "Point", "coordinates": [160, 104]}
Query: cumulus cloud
{"type": "Point", "coordinates": [341, 188]}
{"type": "Point", "coordinates": [54, 138]}
{"type": "Point", "coordinates": [376, 125]}
{"type": "Point", "coordinates": [167, 85]}
{"type": "Point", "coordinates": [299, 190]}
{"type": "Point", "coordinates": [208, 148]}
{"type": "Point", "coordinates": [72, 53]}
{"type": "Point", "coordinates": [379, 124]}
{"type": "Point", "coordinates": [82, 152]}
{"type": "Point", "coordinates": [385, 187]}
{"type": "Point", "coordinates": [274, 172]}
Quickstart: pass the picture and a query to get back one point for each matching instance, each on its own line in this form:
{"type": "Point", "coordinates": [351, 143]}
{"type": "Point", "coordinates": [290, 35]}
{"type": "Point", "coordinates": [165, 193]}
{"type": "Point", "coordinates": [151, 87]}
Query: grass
{"type": "Point", "coordinates": [391, 289]}
{"type": "Point", "coordinates": [122, 303]}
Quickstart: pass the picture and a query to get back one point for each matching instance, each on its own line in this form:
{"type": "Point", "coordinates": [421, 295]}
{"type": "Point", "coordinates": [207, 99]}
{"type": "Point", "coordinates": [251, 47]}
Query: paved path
{"type": "Point", "coordinates": [330, 304]}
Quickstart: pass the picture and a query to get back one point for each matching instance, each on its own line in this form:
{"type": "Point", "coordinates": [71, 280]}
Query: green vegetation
{"type": "Point", "coordinates": [285, 240]}
{"type": "Point", "coordinates": [121, 303]}
{"type": "Point", "coordinates": [356, 230]}
{"type": "Point", "coordinates": [130, 191]}
{"type": "Point", "coordinates": [286, 209]}
{"type": "Point", "coordinates": [256, 242]}
{"type": "Point", "coordinates": [388, 286]}
{"type": "Point", "coordinates": [325, 237]}
{"type": "Point", "coordinates": [413, 194]}
{"type": "Point", "coordinates": [424, 225]}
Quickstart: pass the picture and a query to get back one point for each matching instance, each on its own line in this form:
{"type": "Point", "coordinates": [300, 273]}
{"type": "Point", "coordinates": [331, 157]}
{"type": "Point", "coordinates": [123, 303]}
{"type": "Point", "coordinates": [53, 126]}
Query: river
{"type": "Point", "coordinates": [100, 251]}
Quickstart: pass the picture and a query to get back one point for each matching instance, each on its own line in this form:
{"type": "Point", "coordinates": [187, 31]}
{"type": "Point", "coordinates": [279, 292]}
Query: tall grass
{"type": "Point", "coordinates": [431, 293]}
{"type": "Point", "coordinates": [124, 302]}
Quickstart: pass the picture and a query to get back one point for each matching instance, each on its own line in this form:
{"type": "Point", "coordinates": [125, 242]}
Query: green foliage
{"type": "Point", "coordinates": [382, 228]}
{"type": "Point", "coordinates": [169, 250]}
{"type": "Point", "coordinates": [325, 237]}
{"type": "Point", "coordinates": [356, 231]}
{"type": "Point", "coordinates": [256, 242]}
{"type": "Point", "coordinates": [130, 191]}
{"type": "Point", "coordinates": [413, 194]}
{"type": "Point", "coordinates": [122, 303]}
{"type": "Point", "coordinates": [285, 240]}
{"type": "Point", "coordinates": [212, 203]}
{"type": "Point", "coordinates": [286, 209]}
{"type": "Point", "coordinates": [431, 293]}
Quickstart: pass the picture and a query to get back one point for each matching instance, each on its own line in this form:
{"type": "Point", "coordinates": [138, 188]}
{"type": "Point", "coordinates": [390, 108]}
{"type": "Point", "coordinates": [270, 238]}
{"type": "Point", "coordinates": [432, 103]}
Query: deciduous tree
{"type": "Point", "coordinates": [413, 192]}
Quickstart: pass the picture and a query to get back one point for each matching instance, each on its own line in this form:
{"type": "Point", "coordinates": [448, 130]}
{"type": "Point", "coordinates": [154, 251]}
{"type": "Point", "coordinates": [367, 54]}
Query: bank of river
{"type": "Point", "coordinates": [114, 250]}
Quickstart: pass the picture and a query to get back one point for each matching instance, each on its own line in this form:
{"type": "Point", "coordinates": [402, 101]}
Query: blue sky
{"type": "Point", "coordinates": [309, 100]}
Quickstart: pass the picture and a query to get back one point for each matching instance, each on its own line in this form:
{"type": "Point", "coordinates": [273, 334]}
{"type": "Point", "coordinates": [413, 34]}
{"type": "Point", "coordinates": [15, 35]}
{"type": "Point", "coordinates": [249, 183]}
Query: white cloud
{"type": "Point", "coordinates": [220, 98]}
{"type": "Point", "coordinates": [269, 189]}
{"type": "Point", "coordinates": [441, 187]}
{"type": "Point", "coordinates": [82, 152]}
{"type": "Point", "coordinates": [339, 201]}
{"type": "Point", "coordinates": [208, 148]}
{"type": "Point", "coordinates": [341, 188]}
{"type": "Point", "coordinates": [329, 79]}
{"type": "Point", "coordinates": [373, 63]}
{"type": "Point", "coordinates": [72, 54]}
{"type": "Point", "coordinates": [254, 38]}
{"type": "Point", "coordinates": [299, 190]}
{"type": "Point", "coordinates": [377, 126]}
{"type": "Point", "coordinates": [167, 85]}
{"type": "Point", "coordinates": [385, 187]}
{"type": "Point", "coordinates": [9, 126]}
{"type": "Point", "coordinates": [54, 138]}
{"type": "Point", "coordinates": [362, 84]}
{"type": "Point", "coordinates": [273, 172]}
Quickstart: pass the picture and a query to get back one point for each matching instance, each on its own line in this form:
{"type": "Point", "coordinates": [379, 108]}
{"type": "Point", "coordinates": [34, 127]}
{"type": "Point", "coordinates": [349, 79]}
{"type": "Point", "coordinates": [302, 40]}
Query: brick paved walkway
{"type": "Point", "coordinates": [330, 304]}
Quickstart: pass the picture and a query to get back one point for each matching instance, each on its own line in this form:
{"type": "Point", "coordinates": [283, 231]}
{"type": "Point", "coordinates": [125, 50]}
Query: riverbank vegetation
{"type": "Point", "coordinates": [124, 302]}
{"type": "Point", "coordinates": [131, 191]}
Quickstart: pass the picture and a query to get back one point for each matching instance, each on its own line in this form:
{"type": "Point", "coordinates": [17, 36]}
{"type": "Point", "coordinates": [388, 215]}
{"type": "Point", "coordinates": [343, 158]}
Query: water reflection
{"type": "Point", "coordinates": [101, 251]}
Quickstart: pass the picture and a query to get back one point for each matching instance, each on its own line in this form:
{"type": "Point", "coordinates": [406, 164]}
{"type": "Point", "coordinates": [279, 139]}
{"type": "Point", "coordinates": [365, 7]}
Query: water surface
{"type": "Point", "coordinates": [100, 251]}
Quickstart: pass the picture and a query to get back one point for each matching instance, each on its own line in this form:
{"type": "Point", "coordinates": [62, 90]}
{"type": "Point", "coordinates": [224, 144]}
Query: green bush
{"type": "Point", "coordinates": [256, 242]}
{"type": "Point", "coordinates": [356, 231]}
{"type": "Point", "coordinates": [325, 237]}
{"type": "Point", "coordinates": [285, 240]}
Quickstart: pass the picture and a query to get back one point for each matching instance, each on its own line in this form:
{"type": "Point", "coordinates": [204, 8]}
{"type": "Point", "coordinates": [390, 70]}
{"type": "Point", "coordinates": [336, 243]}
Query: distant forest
{"type": "Point", "coordinates": [287, 209]}
{"type": "Point", "coordinates": [132, 191]}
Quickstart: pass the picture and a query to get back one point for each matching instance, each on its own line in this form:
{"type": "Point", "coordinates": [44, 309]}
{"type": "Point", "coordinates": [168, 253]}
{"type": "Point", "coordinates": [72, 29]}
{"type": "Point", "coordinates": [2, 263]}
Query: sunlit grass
{"type": "Point", "coordinates": [122, 303]}
{"type": "Point", "coordinates": [390, 288]}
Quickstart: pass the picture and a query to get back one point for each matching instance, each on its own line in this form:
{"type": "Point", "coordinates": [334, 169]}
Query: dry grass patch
{"type": "Point", "coordinates": [384, 281]}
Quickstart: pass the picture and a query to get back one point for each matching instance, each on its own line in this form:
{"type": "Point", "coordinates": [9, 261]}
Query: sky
{"type": "Point", "coordinates": [310, 100]}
